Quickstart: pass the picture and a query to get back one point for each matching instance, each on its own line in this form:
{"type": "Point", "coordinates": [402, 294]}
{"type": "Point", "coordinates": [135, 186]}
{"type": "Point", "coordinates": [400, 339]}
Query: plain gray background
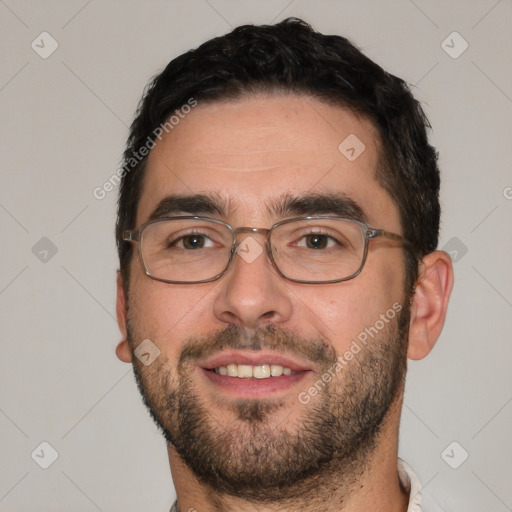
{"type": "Point", "coordinates": [64, 124]}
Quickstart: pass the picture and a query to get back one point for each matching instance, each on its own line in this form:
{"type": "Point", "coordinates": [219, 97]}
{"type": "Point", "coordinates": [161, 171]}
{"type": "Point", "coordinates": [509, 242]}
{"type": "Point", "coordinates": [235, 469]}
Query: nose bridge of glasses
{"type": "Point", "coordinates": [244, 229]}
{"type": "Point", "coordinates": [250, 231]}
{"type": "Point", "coordinates": [255, 244]}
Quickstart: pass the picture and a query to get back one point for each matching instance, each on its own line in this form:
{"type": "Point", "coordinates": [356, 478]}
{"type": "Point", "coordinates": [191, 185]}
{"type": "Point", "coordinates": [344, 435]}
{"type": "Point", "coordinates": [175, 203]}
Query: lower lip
{"type": "Point", "coordinates": [254, 388]}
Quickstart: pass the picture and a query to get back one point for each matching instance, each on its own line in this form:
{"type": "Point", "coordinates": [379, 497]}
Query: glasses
{"type": "Point", "coordinates": [310, 250]}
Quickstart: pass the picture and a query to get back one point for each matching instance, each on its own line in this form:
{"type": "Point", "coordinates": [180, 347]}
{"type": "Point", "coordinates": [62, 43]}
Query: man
{"type": "Point", "coordinates": [277, 226]}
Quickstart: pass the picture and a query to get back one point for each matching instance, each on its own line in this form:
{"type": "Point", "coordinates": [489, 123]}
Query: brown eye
{"type": "Point", "coordinates": [316, 241]}
{"type": "Point", "coordinates": [193, 241]}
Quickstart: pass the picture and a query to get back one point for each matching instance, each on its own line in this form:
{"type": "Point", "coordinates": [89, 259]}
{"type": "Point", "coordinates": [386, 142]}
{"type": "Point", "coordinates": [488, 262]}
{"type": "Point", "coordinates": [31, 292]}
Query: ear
{"type": "Point", "coordinates": [123, 351]}
{"type": "Point", "coordinates": [430, 303]}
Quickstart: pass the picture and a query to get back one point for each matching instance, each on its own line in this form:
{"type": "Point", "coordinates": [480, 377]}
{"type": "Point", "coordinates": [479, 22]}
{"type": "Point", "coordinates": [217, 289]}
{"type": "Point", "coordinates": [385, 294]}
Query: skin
{"type": "Point", "coordinates": [251, 151]}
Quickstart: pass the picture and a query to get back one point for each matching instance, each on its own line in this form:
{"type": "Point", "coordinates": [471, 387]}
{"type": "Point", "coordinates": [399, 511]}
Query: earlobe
{"type": "Point", "coordinates": [430, 303]}
{"type": "Point", "coordinates": [123, 351]}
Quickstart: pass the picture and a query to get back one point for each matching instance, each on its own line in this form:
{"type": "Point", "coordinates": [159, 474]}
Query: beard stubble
{"type": "Point", "coordinates": [255, 457]}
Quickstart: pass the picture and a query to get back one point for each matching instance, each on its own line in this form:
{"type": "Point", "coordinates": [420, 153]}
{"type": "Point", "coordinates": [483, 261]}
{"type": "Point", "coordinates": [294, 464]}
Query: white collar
{"type": "Point", "coordinates": [412, 484]}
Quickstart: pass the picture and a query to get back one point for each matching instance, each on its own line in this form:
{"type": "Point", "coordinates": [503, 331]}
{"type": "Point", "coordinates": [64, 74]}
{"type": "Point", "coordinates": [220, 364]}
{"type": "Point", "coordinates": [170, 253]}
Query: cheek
{"type": "Point", "coordinates": [166, 314]}
{"type": "Point", "coordinates": [340, 312]}
{"type": "Point", "coordinates": [334, 312]}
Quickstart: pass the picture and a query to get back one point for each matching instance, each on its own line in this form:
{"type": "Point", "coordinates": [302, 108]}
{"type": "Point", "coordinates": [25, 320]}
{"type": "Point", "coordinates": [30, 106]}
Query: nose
{"type": "Point", "coordinates": [252, 293]}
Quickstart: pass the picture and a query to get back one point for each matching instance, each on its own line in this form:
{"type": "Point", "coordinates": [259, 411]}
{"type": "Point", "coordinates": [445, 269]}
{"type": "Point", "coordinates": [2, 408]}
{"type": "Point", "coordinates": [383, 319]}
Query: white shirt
{"type": "Point", "coordinates": [411, 484]}
{"type": "Point", "coordinates": [408, 479]}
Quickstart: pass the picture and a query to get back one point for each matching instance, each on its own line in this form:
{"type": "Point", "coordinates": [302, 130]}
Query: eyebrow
{"type": "Point", "coordinates": [198, 204]}
{"type": "Point", "coordinates": [337, 204]}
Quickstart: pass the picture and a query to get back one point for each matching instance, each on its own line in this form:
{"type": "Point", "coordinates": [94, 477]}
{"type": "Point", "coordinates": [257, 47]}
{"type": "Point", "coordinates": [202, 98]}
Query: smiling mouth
{"type": "Point", "coordinates": [247, 371]}
{"type": "Point", "coordinates": [253, 374]}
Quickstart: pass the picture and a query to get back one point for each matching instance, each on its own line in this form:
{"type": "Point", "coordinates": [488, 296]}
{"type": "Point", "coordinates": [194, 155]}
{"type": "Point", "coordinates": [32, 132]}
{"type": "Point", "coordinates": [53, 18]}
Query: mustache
{"type": "Point", "coordinates": [270, 337]}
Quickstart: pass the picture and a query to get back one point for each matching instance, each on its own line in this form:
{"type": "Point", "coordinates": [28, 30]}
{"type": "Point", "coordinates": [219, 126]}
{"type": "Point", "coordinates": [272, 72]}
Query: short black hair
{"type": "Point", "coordinates": [291, 57]}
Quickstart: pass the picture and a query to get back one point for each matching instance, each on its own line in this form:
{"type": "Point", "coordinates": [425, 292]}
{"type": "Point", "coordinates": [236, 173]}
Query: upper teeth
{"type": "Point", "coordinates": [247, 371]}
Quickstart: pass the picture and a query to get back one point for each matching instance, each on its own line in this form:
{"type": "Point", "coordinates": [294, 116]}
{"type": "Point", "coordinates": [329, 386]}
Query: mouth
{"type": "Point", "coordinates": [247, 371]}
{"type": "Point", "coordinates": [251, 375]}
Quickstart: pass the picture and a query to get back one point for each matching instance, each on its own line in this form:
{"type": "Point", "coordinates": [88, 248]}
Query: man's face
{"type": "Point", "coordinates": [254, 435]}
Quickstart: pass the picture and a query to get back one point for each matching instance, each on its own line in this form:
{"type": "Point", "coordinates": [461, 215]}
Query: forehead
{"type": "Point", "coordinates": [250, 152]}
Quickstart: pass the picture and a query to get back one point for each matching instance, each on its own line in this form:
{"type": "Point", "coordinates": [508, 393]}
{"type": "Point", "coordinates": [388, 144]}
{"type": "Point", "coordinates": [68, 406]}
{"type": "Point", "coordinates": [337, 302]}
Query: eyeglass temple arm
{"type": "Point", "coordinates": [375, 233]}
{"type": "Point", "coordinates": [130, 235]}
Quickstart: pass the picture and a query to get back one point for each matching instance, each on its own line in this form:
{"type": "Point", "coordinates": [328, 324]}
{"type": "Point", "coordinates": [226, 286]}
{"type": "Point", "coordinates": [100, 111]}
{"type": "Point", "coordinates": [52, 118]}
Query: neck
{"type": "Point", "coordinates": [376, 487]}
